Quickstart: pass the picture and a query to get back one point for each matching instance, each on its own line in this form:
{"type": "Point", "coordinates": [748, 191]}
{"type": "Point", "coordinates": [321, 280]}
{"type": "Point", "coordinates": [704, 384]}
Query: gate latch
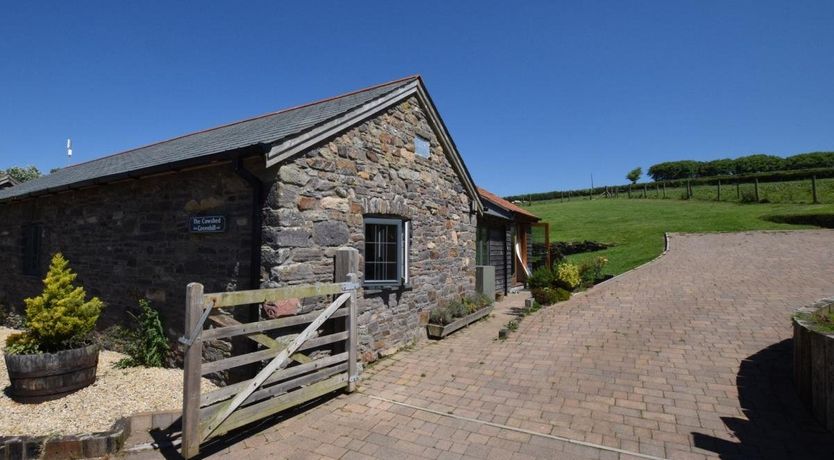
{"type": "Point", "coordinates": [198, 328]}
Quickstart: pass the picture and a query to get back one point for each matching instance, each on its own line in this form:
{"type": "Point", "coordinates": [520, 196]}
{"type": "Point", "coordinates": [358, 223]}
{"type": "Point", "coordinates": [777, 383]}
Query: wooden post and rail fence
{"type": "Point", "coordinates": [688, 192]}
{"type": "Point", "coordinates": [289, 377]}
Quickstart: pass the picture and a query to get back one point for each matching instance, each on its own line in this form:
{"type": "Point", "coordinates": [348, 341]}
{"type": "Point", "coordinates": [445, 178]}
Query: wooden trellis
{"type": "Point", "coordinates": [276, 387]}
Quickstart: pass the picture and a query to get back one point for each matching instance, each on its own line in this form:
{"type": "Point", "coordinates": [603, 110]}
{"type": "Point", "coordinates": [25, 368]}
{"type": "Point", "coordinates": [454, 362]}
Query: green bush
{"type": "Point", "coordinates": [567, 276]}
{"type": "Point", "coordinates": [148, 345]}
{"type": "Point", "coordinates": [541, 277]}
{"type": "Point", "coordinates": [59, 318]}
{"type": "Point", "coordinates": [590, 270]}
{"type": "Point", "coordinates": [550, 295]}
{"type": "Point", "coordinates": [542, 295]}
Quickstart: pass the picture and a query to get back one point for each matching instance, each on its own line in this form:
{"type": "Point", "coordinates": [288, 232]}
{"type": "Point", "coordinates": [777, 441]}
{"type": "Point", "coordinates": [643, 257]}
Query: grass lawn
{"type": "Point", "coordinates": [636, 227]}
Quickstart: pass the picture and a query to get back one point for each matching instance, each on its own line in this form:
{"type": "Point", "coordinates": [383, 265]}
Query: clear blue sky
{"type": "Point", "coordinates": [537, 95]}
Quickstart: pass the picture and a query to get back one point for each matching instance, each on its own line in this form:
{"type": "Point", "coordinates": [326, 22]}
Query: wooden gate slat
{"type": "Point", "coordinates": [279, 388]}
{"type": "Point", "coordinates": [263, 355]}
{"type": "Point", "coordinates": [263, 339]}
{"type": "Point", "coordinates": [275, 364]}
{"type": "Point", "coordinates": [271, 406]}
{"type": "Point", "coordinates": [231, 330]}
{"type": "Point", "coordinates": [233, 298]}
{"type": "Point", "coordinates": [228, 391]}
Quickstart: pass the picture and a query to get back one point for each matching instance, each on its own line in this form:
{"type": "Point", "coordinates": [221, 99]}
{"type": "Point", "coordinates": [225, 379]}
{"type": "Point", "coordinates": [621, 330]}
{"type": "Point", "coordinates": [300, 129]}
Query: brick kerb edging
{"type": "Point", "coordinates": [83, 445]}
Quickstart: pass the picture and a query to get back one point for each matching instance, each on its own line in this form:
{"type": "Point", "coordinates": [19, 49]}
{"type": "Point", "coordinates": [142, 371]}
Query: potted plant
{"type": "Point", "coordinates": [54, 355]}
{"type": "Point", "coordinates": [457, 314]}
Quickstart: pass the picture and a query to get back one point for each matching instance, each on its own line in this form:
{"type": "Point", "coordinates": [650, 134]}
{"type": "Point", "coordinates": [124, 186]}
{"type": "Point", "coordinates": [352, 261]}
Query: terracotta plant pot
{"type": "Point", "coordinates": [46, 376]}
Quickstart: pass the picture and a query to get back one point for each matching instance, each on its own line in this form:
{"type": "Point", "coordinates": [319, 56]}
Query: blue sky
{"type": "Point", "coordinates": [538, 96]}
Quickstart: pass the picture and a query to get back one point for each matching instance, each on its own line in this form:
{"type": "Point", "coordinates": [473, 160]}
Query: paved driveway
{"type": "Point", "coordinates": [686, 357]}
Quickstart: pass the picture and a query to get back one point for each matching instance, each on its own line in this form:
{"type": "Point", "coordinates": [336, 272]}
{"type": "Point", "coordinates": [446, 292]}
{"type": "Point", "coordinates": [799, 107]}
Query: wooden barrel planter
{"type": "Point", "coordinates": [437, 331]}
{"type": "Point", "coordinates": [813, 365]}
{"type": "Point", "coordinates": [46, 376]}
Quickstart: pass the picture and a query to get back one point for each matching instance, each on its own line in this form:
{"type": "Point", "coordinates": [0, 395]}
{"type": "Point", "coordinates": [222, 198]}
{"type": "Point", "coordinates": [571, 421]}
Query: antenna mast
{"type": "Point", "coordinates": [69, 151]}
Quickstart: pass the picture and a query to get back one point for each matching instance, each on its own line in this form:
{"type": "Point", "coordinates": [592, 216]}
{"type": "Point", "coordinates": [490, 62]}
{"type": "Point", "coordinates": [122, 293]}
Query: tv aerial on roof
{"type": "Point", "coordinates": [69, 151]}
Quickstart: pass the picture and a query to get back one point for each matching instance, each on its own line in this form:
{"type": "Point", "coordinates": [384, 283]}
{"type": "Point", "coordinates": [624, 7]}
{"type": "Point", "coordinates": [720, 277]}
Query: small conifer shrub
{"type": "Point", "coordinates": [58, 319]}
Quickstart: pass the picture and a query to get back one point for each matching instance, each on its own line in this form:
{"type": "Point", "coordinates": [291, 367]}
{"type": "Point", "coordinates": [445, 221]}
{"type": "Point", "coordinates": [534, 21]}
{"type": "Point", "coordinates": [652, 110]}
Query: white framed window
{"type": "Point", "coordinates": [422, 146]}
{"type": "Point", "coordinates": [386, 251]}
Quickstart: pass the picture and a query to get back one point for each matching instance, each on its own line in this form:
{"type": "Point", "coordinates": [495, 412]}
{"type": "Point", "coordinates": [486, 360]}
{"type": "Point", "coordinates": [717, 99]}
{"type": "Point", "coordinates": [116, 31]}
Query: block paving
{"type": "Point", "coordinates": [687, 357]}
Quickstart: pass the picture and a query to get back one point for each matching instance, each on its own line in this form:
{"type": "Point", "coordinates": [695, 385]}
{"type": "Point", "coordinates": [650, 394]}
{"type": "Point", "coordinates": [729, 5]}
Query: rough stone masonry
{"type": "Point", "coordinates": [318, 201]}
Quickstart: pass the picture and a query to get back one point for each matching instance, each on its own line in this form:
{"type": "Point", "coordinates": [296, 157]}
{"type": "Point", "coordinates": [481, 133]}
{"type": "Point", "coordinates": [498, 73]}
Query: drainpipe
{"type": "Point", "coordinates": [254, 310]}
{"type": "Point", "coordinates": [257, 193]}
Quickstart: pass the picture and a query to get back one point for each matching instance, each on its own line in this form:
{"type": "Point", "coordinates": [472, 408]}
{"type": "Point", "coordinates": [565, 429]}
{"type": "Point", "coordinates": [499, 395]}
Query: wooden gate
{"type": "Point", "coordinates": [540, 255]}
{"type": "Point", "coordinates": [278, 385]}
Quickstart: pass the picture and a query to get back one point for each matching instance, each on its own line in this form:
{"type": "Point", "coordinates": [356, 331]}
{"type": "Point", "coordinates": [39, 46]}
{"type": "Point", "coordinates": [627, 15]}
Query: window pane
{"type": "Point", "coordinates": [421, 146]}
{"type": "Point", "coordinates": [382, 259]}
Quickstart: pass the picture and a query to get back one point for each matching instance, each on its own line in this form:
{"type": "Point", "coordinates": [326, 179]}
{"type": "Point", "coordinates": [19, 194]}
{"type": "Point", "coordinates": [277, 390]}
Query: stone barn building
{"type": "Point", "coordinates": [263, 202]}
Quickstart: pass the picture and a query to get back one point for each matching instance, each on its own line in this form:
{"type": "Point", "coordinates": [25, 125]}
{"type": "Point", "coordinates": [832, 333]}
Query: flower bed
{"type": "Point", "coordinates": [813, 359]}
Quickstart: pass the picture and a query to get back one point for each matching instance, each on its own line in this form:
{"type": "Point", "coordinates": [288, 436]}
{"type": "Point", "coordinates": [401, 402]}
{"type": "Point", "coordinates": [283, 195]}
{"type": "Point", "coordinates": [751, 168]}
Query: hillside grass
{"type": "Point", "coordinates": [636, 227]}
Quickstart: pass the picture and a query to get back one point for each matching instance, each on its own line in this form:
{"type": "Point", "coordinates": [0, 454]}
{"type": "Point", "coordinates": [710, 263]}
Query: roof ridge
{"type": "Point", "coordinates": [257, 117]}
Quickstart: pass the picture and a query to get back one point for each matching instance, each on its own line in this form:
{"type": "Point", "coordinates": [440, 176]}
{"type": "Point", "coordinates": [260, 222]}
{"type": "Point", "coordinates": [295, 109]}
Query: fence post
{"type": "Point", "coordinates": [756, 189]}
{"type": "Point", "coordinates": [664, 190]}
{"type": "Point", "coordinates": [814, 189]}
{"type": "Point", "coordinates": [688, 190]}
{"type": "Point", "coordinates": [719, 192]}
{"type": "Point", "coordinates": [645, 191]}
{"type": "Point", "coordinates": [629, 190]}
{"type": "Point", "coordinates": [346, 269]}
{"type": "Point", "coordinates": [738, 191]}
{"type": "Point", "coordinates": [191, 372]}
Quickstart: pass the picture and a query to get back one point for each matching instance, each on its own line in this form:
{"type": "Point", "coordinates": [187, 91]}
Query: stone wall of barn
{"type": "Point", "coordinates": [131, 240]}
{"type": "Point", "coordinates": [317, 203]}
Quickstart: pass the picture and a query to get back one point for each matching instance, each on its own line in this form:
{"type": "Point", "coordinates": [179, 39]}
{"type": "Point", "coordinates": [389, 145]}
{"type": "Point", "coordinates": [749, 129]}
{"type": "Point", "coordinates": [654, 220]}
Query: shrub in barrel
{"type": "Point", "coordinates": [55, 354]}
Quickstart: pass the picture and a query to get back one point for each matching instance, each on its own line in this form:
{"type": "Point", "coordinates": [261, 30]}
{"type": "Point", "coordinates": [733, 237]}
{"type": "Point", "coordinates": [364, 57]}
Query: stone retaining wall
{"type": "Point", "coordinates": [813, 365]}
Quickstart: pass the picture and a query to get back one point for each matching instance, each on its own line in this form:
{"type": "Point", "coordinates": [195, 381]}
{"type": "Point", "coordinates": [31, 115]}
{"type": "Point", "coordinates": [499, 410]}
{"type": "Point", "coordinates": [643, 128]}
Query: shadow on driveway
{"type": "Point", "coordinates": [778, 425]}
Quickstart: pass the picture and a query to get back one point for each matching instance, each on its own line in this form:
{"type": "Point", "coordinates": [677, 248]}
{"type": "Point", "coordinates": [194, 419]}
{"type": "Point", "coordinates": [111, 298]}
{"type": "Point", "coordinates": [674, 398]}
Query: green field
{"type": "Point", "coordinates": [636, 226]}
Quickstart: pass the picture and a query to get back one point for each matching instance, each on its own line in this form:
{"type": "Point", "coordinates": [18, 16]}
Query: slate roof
{"type": "Point", "coordinates": [267, 128]}
{"type": "Point", "coordinates": [504, 204]}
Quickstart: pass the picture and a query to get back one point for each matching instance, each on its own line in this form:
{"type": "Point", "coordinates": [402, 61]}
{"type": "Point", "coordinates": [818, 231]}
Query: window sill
{"type": "Point", "coordinates": [371, 289]}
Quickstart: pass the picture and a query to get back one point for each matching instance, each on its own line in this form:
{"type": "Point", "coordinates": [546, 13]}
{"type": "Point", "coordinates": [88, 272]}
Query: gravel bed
{"type": "Point", "coordinates": [116, 393]}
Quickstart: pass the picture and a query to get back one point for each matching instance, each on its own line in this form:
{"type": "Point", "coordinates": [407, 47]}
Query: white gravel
{"type": "Point", "coordinates": [116, 393]}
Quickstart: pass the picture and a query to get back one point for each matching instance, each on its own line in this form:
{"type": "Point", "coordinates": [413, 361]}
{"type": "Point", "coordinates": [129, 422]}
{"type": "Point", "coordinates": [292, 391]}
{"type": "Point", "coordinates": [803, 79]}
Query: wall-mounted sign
{"type": "Point", "coordinates": [208, 224]}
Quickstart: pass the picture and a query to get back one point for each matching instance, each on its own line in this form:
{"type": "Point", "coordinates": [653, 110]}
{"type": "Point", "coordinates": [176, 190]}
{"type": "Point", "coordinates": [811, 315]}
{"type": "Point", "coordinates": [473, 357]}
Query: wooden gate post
{"type": "Point", "coordinates": [346, 270]}
{"type": "Point", "coordinates": [718, 191]}
{"type": "Point", "coordinates": [191, 372]}
{"type": "Point", "coordinates": [756, 189]}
